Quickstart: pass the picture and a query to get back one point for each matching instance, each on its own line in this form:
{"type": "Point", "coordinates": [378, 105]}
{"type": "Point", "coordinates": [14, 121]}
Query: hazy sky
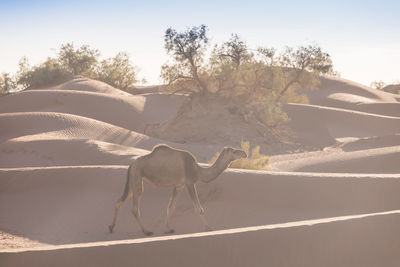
{"type": "Point", "coordinates": [363, 37]}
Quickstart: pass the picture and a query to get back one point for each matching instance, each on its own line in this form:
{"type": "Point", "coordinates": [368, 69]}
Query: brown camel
{"type": "Point", "coordinates": [166, 166]}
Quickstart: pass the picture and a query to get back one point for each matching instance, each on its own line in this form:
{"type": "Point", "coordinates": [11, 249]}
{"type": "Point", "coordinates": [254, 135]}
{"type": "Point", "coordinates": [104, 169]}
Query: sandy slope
{"type": "Point", "coordinates": [338, 92]}
{"type": "Point", "coordinates": [377, 160]}
{"type": "Point", "coordinates": [129, 112]}
{"type": "Point", "coordinates": [64, 153]}
{"type": "Point", "coordinates": [61, 125]}
{"type": "Point", "coordinates": [28, 126]}
{"type": "Point", "coordinates": [321, 126]}
{"type": "Point", "coordinates": [20, 152]}
{"type": "Point", "coordinates": [85, 84]}
{"type": "Point", "coordinates": [75, 204]}
{"type": "Point", "coordinates": [332, 242]}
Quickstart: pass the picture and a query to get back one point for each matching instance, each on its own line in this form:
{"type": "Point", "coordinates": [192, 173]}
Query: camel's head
{"type": "Point", "coordinates": [235, 154]}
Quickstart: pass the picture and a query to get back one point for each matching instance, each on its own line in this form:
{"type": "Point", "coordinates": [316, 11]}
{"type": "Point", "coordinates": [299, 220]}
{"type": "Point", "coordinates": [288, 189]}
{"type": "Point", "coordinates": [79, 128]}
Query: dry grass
{"type": "Point", "coordinates": [254, 161]}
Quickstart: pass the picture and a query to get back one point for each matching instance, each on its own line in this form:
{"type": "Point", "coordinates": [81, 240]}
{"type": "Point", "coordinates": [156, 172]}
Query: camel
{"type": "Point", "coordinates": [169, 167]}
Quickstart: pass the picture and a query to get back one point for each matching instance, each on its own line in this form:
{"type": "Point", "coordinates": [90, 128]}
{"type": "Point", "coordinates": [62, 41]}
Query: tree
{"type": "Point", "coordinates": [378, 85]}
{"type": "Point", "coordinates": [80, 61]}
{"type": "Point", "coordinates": [50, 72]}
{"type": "Point", "coordinates": [302, 62]}
{"type": "Point", "coordinates": [236, 50]}
{"type": "Point", "coordinates": [7, 83]}
{"type": "Point", "coordinates": [117, 71]}
{"type": "Point", "coordinates": [225, 66]}
{"type": "Point", "coordinates": [187, 50]}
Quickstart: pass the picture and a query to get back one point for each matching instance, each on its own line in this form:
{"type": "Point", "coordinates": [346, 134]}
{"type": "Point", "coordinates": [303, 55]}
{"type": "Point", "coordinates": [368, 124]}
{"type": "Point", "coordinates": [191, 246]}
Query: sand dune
{"type": "Point", "coordinates": [85, 84]}
{"type": "Point", "coordinates": [342, 242]}
{"type": "Point", "coordinates": [20, 152]}
{"type": "Point", "coordinates": [74, 204]}
{"type": "Point", "coordinates": [59, 125]}
{"type": "Point", "coordinates": [129, 112]}
{"type": "Point", "coordinates": [387, 109]}
{"type": "Point", "coordinates": [350, 92]}
{"type": "Point", "coordinates": [372, 142]}
{"type": "Point", "coordinates": [318, 125]}
{"type": "Point", "coordinates": [378, 160]}
{"type": "Point", "coordinates": [41, 126]}
{"type": "Point", "coordinates": [64, 155]}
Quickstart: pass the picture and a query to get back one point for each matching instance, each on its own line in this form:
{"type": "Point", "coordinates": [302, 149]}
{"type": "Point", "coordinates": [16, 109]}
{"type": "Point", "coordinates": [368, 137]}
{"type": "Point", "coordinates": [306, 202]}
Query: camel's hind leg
{"type": "Point", "coordinates": [118, 206]}
{"type": "Point", "coordinates": [170, 209]}
{"type": "Point", "coordinates": [137, 188]}
{"type": "Point", "coordinates": [125, 195]}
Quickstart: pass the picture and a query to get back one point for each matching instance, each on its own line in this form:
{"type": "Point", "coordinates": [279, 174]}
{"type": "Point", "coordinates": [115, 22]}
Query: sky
{"type": "Point", "coordinates": [362, 37]}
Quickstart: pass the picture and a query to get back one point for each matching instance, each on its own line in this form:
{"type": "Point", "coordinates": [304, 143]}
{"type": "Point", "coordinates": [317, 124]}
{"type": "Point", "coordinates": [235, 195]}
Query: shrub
{"type": "Point", "coordinates": [117, 71]}
{"type": "Point", "coordinates": [7, 83]}
{"type": "Point", "coordinates": [78, 61]}
{"type": "Point", "coordinates": [255, 161]}
{"type": "Point", "coordinates": [50, 72]}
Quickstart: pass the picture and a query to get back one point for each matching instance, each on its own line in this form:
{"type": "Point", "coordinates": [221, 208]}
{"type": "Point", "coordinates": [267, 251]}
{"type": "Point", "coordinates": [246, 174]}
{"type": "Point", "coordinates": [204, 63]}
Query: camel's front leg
{"type": "Point", "coordinates": [195, 198]}
{"type": "Point", "coordinates": [170, 209]}
{"type": "Point", "coordinates": [136, 213]}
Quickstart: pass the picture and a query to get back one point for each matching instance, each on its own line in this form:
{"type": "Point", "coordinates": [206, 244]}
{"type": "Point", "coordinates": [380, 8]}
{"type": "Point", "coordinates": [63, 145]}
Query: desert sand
{"type": "Point", "coordinates": [65, 151]}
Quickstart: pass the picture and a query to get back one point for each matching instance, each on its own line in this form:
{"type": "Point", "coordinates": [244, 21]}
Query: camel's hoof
{"type": "Point", "coordinates": [170, 231]}
{"type": "Point", "coordinates": [111, 228]}
{"type": "Point", "coordinates": [148, 233]}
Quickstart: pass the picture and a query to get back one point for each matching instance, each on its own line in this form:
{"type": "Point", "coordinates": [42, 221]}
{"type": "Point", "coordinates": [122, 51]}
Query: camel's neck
{"type": "Point", "coordinates": [208, 174]}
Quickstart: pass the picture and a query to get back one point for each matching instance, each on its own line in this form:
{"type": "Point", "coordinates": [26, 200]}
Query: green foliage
{"type": "Point", "coordinates": [303, 66]}
{"type": "Point", "coordinates": [117, 71]}
{"type": "Point", "coordinates": [79, 61]}
{"type": "Point", "coordinates": [255, 161]}
{"type": "Point", "coordinates": [188, 45]}
{"type": "Point", "coordinates": [7, 83]}
{"type": "Point", "coordinates": [234, 51]}
{"type": "Point", "coordinates": [50, 72]}
{"type": "Point", "coordinates": [258, 81]}
{"type": "Point", "coordinates": [187, 50]}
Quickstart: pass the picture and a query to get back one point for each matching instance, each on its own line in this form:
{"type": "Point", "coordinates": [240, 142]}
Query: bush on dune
{"type": "Point", "coordinates": [7, 83]}
{"type": "Point", "coordinates": [255, 161]}
{"type": "Point", "coordinates": [117, 71]}
{"type": "Point", "coordinates": [70, 61]}
{"type": "Point", "coordinates": [258, 80]}
{"type": "Point", "coordinates": [50, 72]}
{"type": "Point", "coordinates": [78, 61]}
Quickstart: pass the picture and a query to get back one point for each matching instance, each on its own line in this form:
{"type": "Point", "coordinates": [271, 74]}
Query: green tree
{"type": "Point", "coordinates": [378, 85]}
{"type": "Point", "coordinates": [303, 65]}
{"type": "Point", "coordinates": [236, 51]}
{"type": "Point", "coordinates": [187, 50]}
{"type": "Point", "coordinates": [50, 72]}
{"type": "Point", "coordinates": [7, 83]}
{"type": "Point", "coordinates": [78, 61]}
{"type": "Point", "coordinates": [117, 71]}
{"type": "Point", "coordinates": [226, 66]}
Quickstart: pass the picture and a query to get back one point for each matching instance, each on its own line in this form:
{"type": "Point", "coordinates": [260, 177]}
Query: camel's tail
{"type": "Point", "coordinates": [127, 185]}
{"type": "Point", "coordinates": [121, 201]}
